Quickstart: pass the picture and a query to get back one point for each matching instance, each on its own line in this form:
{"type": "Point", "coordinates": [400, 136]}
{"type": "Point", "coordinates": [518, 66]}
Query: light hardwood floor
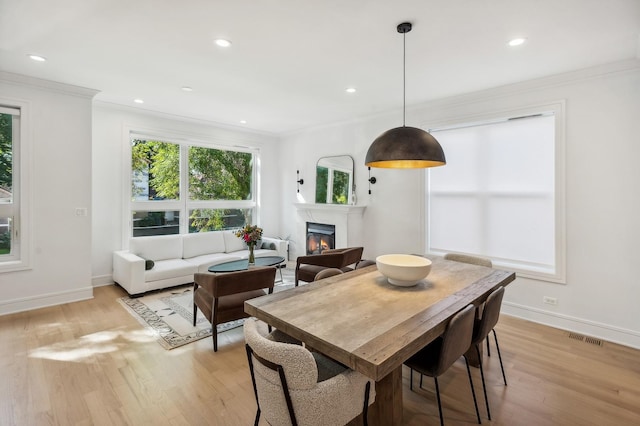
{"type": "Point", "coordinates": [91, 363]}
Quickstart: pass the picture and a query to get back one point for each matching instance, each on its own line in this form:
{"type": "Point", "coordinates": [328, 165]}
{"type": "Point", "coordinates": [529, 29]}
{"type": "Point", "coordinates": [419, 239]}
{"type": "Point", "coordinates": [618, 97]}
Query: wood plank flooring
{"type": "Point", "coordinates": [91, 363]}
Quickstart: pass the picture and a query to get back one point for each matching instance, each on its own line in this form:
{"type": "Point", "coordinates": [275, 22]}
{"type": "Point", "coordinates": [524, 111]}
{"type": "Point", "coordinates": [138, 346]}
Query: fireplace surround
{"type": "Point", "coordinates": [347, 220]}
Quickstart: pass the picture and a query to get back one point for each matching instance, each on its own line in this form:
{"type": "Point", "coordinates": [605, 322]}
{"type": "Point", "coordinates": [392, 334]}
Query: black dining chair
{"type": "Point", "coordinates": [481, 329]}
{"type": "Point", "coordinates": [436, 358]}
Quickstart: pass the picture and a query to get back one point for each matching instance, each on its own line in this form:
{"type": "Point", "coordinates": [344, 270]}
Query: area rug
{"type": "Point", "coordinates": [168, 314]}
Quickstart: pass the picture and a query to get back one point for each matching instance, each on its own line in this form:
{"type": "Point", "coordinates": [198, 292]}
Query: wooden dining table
{"type": "Point", "coordinates": [371, 326]}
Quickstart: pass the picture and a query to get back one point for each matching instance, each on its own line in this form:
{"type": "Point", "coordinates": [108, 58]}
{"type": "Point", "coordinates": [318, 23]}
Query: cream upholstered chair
{"type": "Point", "coordinates": [295, 386]}
{"type": "Point", "coordinates": [481, 330]}
{"type": "Point", "coordinates": [436, 358]}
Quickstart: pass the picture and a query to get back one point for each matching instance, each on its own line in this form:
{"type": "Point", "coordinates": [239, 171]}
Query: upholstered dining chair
{"type": "Point", "coordinates": [295, 386]}
{"type": "Point", "coordinates": [465, 258]}
{"type": "Point", "coordinates": [221, 296]}
{"type": "Point", "coordinates": [481, 330]}
{"type": "Point", "coordinates": [326, 273]}
{"type": "Point", "coordinates": [307, 267]}
{"type": "Point", "coordinates": [436, 358]}
{"type": "Point", "coordinates": [364, 263]}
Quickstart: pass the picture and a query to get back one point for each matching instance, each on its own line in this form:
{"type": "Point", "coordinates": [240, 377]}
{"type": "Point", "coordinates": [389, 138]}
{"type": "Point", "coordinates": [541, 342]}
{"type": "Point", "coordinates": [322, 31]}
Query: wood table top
{"type": "Point", "coordinates": [362, 321]}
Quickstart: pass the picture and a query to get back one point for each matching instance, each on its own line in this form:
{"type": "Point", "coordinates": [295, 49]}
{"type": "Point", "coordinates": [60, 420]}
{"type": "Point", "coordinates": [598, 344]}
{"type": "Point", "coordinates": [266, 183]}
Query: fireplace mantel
{"type": "Point", "coordinates": [346, 218]}
{"type": "Point", "coordinates": [337, 208]}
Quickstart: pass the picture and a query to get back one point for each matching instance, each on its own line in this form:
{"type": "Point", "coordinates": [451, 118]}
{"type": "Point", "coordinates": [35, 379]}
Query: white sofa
{"type": "Point", "coordinates": [177, 257]}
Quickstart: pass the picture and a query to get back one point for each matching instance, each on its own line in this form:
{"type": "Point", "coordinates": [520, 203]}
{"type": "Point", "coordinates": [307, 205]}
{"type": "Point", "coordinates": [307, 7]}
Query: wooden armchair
{"type": "Point", "coordinates": [308, 266]}
{"type": "Point", "coordinates": [221, 297]}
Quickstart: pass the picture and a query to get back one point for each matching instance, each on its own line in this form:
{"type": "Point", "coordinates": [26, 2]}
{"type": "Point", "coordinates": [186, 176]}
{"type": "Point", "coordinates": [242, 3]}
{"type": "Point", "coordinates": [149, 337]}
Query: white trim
{"type": "Point", "coordinates": [102, 280]}
{"type": "Point", "coordinates": [45, 300]}
{"type": "Point", "coordinates": [48, 85]}
{"type": "Point", "coordinates": [22, 190]}
{"type": "Point", "coordinates": [603, 331]}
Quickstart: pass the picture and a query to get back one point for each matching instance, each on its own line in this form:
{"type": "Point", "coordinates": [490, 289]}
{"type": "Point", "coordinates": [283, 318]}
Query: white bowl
{"type": "Point", "coordinates": [403, 270]}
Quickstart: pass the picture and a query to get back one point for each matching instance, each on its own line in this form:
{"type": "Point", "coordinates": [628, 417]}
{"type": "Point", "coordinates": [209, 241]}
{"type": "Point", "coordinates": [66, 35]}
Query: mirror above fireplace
{"type": "Point", "coordinates": [335, 182]}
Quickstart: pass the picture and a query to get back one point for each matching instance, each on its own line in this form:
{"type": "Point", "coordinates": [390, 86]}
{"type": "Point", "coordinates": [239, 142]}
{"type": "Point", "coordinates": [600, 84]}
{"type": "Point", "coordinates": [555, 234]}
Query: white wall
{"type": "Point", "coordinates": [110, 137]}
{"type": "Point", "coordinates": [59, 134]}
{"type": "Point", "coordinates": [600, 297]}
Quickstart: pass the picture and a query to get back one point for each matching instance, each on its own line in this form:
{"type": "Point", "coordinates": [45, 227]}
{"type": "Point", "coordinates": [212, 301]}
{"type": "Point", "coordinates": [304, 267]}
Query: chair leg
{"type": "Point", "coordinates": [435, 379]}
{"type": "Point", "coordinates": [484, 386]}
{"type": "Point", "coordinates": [411, 379]}
{"type": "Point", "coordinates": [488, 348]}
{"type": "Point", "coordinates": [365, 409]}
{"type": "Point", "coordinates": [253, 382]}
{"type": "Point", "coordinates": [195, 313]}
{"type": "Point", "coordinates": [214, 333]}
{"type": "Point", "coordinates": [504, 377]}
{"type": "Point", "coordinates": [473, 391]}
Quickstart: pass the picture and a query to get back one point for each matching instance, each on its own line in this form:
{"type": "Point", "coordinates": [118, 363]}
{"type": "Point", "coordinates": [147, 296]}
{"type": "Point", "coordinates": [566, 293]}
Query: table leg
{"type": "Point", "coordinates": [387, 408]}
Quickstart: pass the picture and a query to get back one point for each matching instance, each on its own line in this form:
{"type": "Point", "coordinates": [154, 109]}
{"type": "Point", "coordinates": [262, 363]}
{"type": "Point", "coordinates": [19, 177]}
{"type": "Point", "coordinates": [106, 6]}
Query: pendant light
{"type": "Point", "coordinates": [405, 147]}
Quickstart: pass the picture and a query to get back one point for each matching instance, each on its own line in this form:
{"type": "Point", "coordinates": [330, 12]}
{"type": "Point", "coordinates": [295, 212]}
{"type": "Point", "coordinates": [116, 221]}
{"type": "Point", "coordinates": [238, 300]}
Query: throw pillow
{"type": "Point", "coordinates": [270, 246]}
{"type": "Point", "coordinates": [148, 264]}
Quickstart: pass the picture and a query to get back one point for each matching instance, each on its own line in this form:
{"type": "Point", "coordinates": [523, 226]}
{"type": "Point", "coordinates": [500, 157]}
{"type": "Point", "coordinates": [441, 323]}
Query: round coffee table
{"type": "Point", "coordinates": [243, 264]}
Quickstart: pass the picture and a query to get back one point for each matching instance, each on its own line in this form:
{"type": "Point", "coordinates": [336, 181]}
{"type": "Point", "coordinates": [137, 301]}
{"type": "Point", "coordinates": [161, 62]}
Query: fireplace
{"type": "Point", "coordinates": [320, 237]}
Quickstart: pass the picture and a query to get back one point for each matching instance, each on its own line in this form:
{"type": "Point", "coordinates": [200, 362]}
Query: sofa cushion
{"type": "Point", "coordinates": [202, 243]}
{"type": "Point", "coordinates": [233, 243]}
{"type": "Point", "coordinates": [156, 248]}
{"type": "Point", "coordinates": [203, 262]}
{"type": "Point", "coordinates": [170, 268]}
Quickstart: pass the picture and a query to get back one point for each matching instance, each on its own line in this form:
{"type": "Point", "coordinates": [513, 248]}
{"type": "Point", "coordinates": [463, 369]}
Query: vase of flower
{"type": "Point", "coordinates": [250, 234]}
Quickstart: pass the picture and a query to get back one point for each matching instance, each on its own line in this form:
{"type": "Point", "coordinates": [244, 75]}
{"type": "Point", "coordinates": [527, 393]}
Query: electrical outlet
{"type": "Point", "coordinates": [81, 211]}
{"type": "Point", "coordinates": [550, 300]}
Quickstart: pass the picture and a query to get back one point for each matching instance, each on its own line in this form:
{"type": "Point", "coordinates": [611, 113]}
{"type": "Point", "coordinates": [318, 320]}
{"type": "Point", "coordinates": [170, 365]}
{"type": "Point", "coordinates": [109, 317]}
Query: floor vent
{"type": "Point", "coordinates": [593, 341]}
{"type": "Point", "coordinates": [586, 339]}
{"type": "Point", "coordinates": [576, 336]}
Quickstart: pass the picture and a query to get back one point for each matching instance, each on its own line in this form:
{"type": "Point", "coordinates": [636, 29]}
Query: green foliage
{"type": "Point", "coordinates": [340, 187]}
{"type": "Point", "coordinates": [322, 180]}
{"type": "Point", "coordinates": [219, 175]}
{"type": "Point", "coordinates": [6, 152]}
{"type": "Point", "coordinates": [5, 242]}
{"type": "Point", "coordinates": [214, 174]}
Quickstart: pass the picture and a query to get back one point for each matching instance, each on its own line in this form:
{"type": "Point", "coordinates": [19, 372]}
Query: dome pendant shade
{"type": "Point", "coordinates": [405, 148]}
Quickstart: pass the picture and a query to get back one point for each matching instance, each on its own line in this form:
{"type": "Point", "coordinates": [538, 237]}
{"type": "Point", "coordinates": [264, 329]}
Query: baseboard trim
{"type": "Point", "coordinates": [102, 280]}
{"type": "Point", "coordinates": [45, 300]}
{"type": "Point", "coordinates": [606, 332]}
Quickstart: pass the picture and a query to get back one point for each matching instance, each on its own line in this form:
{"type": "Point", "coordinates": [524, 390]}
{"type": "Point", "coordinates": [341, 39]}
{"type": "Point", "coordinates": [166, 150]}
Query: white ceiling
{"type": "Point", "coordinates": [291, 60]}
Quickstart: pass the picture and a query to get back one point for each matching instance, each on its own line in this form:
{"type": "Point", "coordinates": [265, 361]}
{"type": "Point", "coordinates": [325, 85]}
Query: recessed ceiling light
{"type": "Point", "coordinates": [37, 58]}
{"type": "Point", "coordinates": [138, 101]}
{"type": "Point", "coordinates": [517, 41]}
{"type": "Point", "coordinates": [222, 42]}
{"type": "Point", "coordinates": [187, 89]}
{"type": "Point", "coordinates": [243, 121]}
{"type": "Point", "coordinates": [350, 90]}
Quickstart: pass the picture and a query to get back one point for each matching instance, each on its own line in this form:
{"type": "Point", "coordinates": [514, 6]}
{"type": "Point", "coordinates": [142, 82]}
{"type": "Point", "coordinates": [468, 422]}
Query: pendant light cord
{"type": "Point", "coordinates": [404, 78]}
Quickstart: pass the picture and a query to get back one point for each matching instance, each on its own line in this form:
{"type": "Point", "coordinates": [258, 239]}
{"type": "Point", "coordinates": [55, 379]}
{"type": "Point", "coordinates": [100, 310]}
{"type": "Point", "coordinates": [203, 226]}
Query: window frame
{"type": "Point", "coordinates": [19, 208]}
{"type": "Point", "coordinates": [559, 195]}
{"type": "Point", "coordinates": [183, 205]}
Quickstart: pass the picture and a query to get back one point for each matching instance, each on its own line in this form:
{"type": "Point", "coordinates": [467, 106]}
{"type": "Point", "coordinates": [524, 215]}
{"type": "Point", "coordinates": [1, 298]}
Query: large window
{"type": "Point", "coordinates": [13, 230]}
{"type": "Point", "coordinates": [500, 194]}
{"type": "Point", "coordinates": [182, 187]}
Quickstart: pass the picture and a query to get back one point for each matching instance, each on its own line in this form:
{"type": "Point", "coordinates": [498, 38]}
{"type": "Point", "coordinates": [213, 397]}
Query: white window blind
{"type": "Point", "coordinates": [496, 197]}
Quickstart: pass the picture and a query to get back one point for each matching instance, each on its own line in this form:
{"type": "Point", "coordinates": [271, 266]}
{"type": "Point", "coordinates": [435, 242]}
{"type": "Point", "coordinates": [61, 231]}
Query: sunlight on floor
{"type": "Point", "coordinates": [87, 346]}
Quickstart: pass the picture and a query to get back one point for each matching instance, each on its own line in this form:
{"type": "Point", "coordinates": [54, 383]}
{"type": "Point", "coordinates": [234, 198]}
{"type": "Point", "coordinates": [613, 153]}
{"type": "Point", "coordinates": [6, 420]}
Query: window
{"type": "Point", "coordinates": [500, 194]}
{"type": "Point", "coordinates": [185, 188]}
{"type": "Point", "coordinates": [13, 229]}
